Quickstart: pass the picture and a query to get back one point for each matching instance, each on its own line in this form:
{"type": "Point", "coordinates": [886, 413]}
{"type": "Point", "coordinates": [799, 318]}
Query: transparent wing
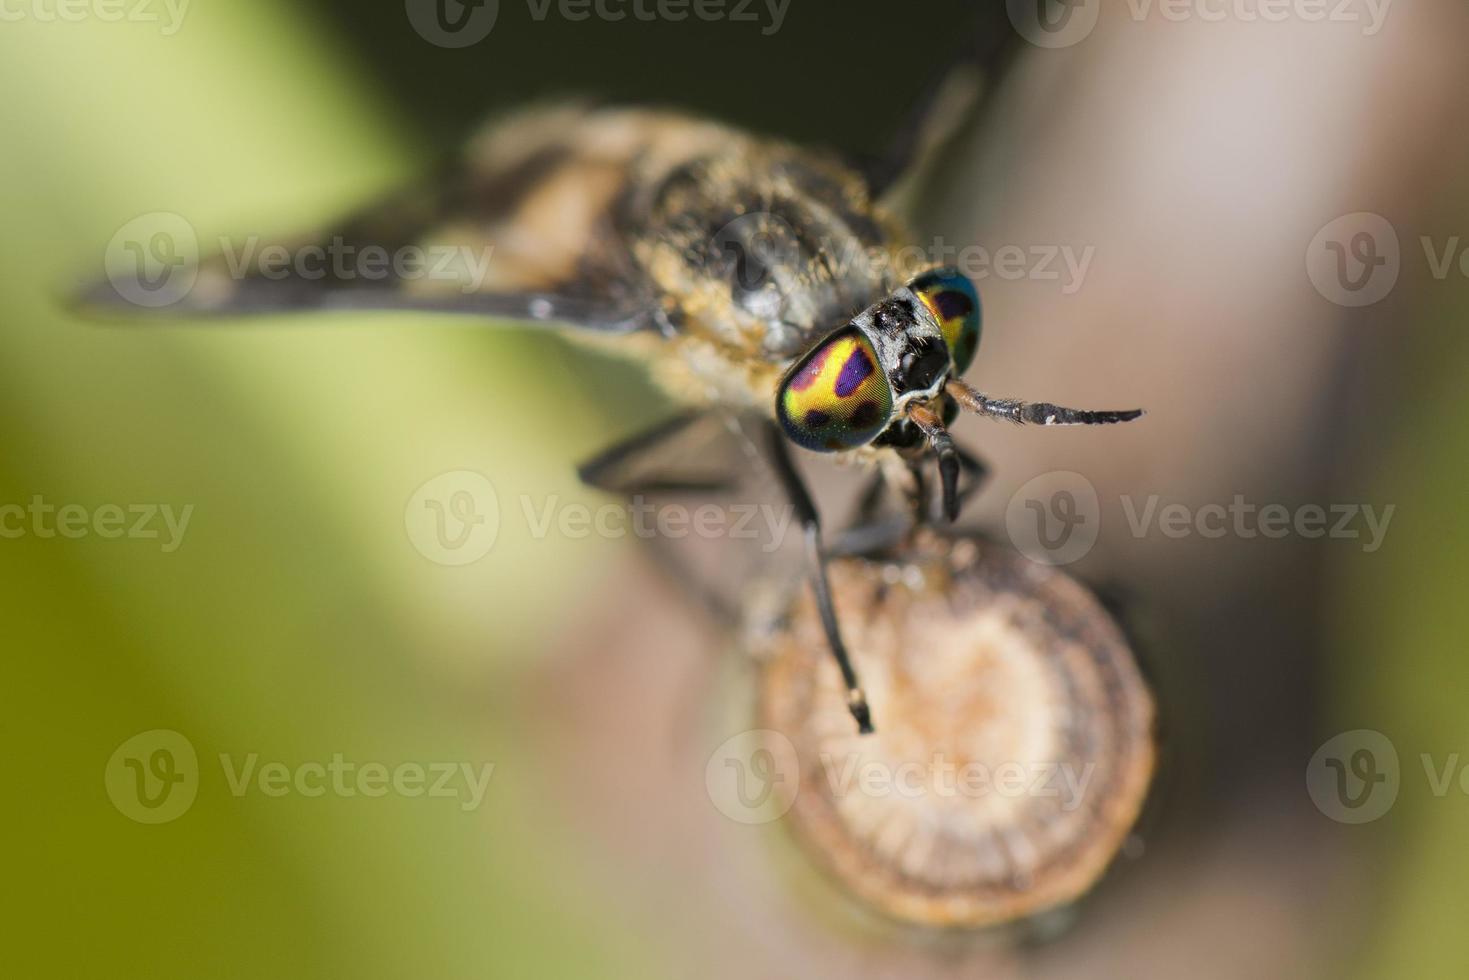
{"type": "Point", "coordinates": [955, 103]}
{"type": "Point", "coordinates": [520, 225]}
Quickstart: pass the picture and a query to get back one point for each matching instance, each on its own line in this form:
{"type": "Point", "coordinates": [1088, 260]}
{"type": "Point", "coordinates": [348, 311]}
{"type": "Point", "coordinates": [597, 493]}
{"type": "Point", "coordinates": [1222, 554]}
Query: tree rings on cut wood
{"type": "Point", "coordinates": [1014, 741]}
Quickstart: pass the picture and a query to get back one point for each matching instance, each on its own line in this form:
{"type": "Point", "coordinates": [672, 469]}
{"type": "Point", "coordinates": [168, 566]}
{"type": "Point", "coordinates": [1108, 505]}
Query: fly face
{"type": "Point", "coordinates": [890, 378]}
{"type": "Point", "coordinates": [881, 378]}
{"type": "Point", "coordinates": [860, 384]}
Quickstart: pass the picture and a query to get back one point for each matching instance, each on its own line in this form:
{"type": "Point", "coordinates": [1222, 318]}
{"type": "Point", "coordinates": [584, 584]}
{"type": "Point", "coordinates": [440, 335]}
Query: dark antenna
{"type": "Point", "coordinates": [1034, 413]}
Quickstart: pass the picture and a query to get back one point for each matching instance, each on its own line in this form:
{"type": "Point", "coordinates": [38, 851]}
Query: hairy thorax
{"type": "Point", "coordinates": [754, 252]}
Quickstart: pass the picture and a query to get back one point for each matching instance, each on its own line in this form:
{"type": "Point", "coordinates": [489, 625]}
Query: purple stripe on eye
{"type": "Point", "coordinates": [854, 372]}
{"type": "Point", "coordinates": [806, 377]}
{"type": "Point", "coordinates": [952, 303]}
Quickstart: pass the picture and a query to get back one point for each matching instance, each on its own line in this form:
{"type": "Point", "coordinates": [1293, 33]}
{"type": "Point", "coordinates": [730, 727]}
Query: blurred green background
{"type": "Point", "coordinates": [297, 621]}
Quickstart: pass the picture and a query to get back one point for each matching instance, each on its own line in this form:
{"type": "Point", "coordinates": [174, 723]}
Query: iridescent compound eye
{"type": "Point", "coordinates": [836, 398]}
{"type": "Point", "coordinates": [953, 301]}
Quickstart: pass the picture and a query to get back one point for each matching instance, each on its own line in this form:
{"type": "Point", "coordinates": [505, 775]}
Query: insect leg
{"type": "Point", "coordinates": [607, 471]}
{"type": "Point", "coordinates": [868, 535]}
{"type": "Point", "coordinates": [871, 499]}
{"type": "Point", "coordinates": [975, 469]}
{"type": "Point", "coordinates": [872, 540]}
{"type": "Point", "coordinates": [800, 497]}
{"type": "Point", "coordinates": [602, 470]}
{"type": "Point", "coordinates": [972, 475]}
{"type": "Point", "coordinates": [948, 455]}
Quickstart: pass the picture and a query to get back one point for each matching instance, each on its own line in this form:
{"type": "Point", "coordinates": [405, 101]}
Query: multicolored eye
{"type": "Point", "coordinates": [951, 298]}
{"type": "Point", "coordinates": [836, 398]}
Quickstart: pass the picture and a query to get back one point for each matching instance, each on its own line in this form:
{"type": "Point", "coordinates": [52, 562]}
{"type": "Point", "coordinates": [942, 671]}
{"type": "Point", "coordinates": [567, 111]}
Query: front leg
{"type": "Point", "coordinates": [874, 536]}
{"type": "Point", "coordinates": [800, 498]}
{"type": "Point", "coordinates": [929, 508]}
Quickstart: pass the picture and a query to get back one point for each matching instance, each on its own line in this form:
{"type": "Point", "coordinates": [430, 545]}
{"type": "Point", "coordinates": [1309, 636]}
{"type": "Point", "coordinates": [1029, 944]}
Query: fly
{"type": "Point", "coordinates": [725, 259]}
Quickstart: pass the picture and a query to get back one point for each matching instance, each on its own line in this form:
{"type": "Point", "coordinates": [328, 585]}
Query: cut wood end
{"type": "Point", "coordinates": [1014, 741]}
